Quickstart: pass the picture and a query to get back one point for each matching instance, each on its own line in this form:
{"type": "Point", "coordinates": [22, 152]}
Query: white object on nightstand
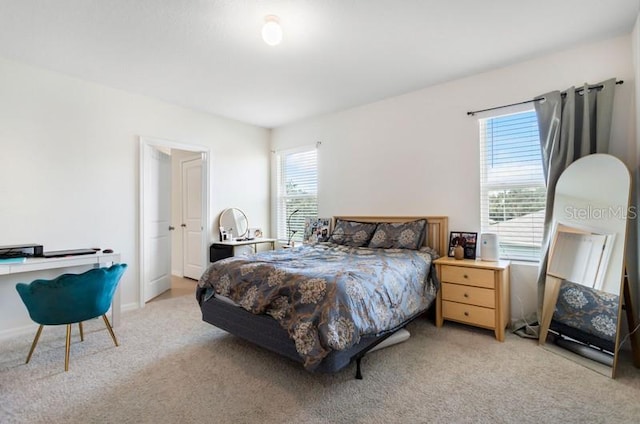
{"type": "Point", "coordinates": [489, 247]}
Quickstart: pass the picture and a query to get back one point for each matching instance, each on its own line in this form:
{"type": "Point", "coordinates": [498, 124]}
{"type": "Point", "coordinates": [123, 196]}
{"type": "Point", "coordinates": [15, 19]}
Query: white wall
{"type": "Point", "coordinates": [418, 154]}
{"type": "Point", "coordinates": [69, 168]}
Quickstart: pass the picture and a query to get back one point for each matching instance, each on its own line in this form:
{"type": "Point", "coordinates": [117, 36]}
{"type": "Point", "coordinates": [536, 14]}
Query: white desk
{"type": "Point", "coordinates": [96, 259]}
{"type": "Point", "coordinates": [253, 242]}
{"type": "Point", "coordinates": [225, 249]}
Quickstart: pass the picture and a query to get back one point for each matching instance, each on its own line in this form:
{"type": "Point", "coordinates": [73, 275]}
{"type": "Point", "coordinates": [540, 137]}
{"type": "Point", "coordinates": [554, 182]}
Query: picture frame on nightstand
{"type": "Point", "coordinates": [468, 240]}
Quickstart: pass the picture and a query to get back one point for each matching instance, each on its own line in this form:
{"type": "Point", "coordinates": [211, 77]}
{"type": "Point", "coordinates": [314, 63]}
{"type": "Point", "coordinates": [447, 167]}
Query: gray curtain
{"type": "Point", "coordinates": [572, 125]}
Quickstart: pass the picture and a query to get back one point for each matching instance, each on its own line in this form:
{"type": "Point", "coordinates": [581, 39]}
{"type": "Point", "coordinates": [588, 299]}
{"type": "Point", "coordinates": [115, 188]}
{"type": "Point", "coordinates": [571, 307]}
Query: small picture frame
{"type": "Point", "coordinates": [466, 239]}
{"type": "Point", "coordinates": [254, 233]}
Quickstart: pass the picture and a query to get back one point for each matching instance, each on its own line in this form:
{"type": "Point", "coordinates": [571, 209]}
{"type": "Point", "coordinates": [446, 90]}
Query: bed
{"type": "Point", "coordinates": [328, 304]}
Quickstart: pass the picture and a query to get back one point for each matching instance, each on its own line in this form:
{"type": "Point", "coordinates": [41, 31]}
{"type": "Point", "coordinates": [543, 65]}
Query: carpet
{"type": "Point", "coordinates": [173, 368]}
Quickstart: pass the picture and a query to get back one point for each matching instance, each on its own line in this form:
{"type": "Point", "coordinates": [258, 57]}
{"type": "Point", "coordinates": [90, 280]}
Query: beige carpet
{"type": "Point", "coordinates": [173, 368]}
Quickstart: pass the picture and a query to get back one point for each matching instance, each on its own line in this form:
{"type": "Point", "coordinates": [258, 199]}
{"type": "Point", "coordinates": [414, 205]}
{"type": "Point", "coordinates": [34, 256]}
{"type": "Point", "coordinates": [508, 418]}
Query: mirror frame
{"type": "Point", "coordinates": [615, 272]}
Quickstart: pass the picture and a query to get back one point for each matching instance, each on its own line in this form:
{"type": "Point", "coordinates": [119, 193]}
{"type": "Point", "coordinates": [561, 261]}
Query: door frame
{"type": "Point", "coordinates": [206, 172]}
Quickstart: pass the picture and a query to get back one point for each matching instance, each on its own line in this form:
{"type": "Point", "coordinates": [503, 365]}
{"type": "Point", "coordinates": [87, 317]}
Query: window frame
{"type": "Point", "coordinates": [507, 250]}
{"type": "Point", "coordinates": [279, 223]}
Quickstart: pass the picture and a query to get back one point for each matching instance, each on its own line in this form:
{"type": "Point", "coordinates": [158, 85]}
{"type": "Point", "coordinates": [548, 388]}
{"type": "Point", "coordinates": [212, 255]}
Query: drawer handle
{"type": "Point", "coordinates": [465, 276]}
{"type": "Point", "coordinates": [466, 314]}
{"type": "Point", "coordinates": [466, 295]}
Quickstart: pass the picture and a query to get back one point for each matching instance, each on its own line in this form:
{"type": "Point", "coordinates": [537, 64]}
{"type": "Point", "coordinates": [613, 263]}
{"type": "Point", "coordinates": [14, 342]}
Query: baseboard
{"type": "Point", "coordinates": [129, 307]}
{"type": "Point", "coordinates": [31, 329]}
{"type": "Point", "coordinates": [19, 331]}
{"type": "Point", "coordinates": [177, 273]}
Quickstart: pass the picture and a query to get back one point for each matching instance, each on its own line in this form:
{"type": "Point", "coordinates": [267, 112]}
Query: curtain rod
{"type": "Point", "coordinates": [591, 87]}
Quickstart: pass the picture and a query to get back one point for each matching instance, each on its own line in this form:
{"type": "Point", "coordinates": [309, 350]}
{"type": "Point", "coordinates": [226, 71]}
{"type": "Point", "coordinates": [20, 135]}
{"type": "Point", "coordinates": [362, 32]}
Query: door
{"type": "Point", "coordinates": [156, 215]}
{"type": "Point", "coordinates": [192, 224]}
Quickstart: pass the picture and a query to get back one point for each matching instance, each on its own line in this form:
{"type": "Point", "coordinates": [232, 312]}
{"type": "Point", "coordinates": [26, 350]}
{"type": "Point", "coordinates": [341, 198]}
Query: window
{"type": "Point", "coordinates": [297, 191]}
{"type": "Point", "coordinates": [512, 187]}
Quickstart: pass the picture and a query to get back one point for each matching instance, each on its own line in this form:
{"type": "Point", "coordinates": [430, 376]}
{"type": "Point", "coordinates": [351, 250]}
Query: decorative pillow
{"type": "Point", "coordinates": [399, 235]}
{"type": "Point", "coordinates": [352, 233]}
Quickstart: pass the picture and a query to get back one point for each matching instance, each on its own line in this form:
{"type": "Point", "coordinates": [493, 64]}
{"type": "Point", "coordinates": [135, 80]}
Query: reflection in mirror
{"type": "Point", "coordinates": [234, 222]}
{"type": "Point", "coordinates": [581, 311]}
{"type": "Point", "coordinates": [582, 256]}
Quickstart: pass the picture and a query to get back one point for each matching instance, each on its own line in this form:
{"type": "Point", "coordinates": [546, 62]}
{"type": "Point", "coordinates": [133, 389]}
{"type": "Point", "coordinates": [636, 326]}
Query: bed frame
{"type": "Point", "coordinates": [266, 332]}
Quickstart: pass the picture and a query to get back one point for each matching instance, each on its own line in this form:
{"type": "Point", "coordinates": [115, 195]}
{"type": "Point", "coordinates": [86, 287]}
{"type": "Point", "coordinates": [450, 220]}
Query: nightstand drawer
{"type": "Point", "coordinates": [468, 276]}
{"type": "Point", "coordinates": [470, 314]}
{"type": "Point", "coordinates": [470, 295]}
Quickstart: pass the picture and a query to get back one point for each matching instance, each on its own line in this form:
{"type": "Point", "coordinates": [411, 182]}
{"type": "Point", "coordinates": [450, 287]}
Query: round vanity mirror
{"type": "Point", "coordinates": [234, 222]}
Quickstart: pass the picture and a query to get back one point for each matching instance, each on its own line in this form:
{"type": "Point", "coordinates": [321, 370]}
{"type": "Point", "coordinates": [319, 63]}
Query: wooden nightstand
{"type": "Point", "coordinates": [473, 292]}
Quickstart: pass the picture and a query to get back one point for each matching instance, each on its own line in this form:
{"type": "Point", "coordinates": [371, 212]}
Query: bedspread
{"type": "Point", "coordinates": [589, 311]}
{"type": "Point", "coordinates": [327, 296]}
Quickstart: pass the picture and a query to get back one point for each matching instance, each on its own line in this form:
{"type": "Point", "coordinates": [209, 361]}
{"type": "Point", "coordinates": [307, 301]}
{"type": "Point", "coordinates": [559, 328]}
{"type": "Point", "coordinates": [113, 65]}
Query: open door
{"type": "Point", "coordinates": [156, 264]}
{"type": "Point", "coordinates": [156, 211]}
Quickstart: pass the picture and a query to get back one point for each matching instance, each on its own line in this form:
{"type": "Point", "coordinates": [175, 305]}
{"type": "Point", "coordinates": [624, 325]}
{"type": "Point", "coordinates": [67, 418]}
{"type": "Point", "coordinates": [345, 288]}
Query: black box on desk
{"type": "Point", "coordinates": [21, 251]}
{"type": "Point", "coordinates": [219, 251]}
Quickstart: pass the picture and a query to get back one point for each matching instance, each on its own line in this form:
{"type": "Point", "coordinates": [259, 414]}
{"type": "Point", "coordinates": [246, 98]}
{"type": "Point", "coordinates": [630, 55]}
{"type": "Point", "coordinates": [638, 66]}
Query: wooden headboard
{"type": "Point", "coordinates": [437, 233]}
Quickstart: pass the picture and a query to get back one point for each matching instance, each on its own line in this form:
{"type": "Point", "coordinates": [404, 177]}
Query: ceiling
{"type": "Point", "coordinates": [208, 54]}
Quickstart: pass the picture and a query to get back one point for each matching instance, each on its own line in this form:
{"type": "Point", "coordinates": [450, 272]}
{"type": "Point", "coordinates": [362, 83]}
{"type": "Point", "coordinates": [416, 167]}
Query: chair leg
{"type": "Point", "coordinates": [81, 332]}
{"type": "Point", "coordinates": [67, 348]}
{"type": "Point", "coordinates": [35, 342]}
{"type": "Point", "coordinates": [113, 336]}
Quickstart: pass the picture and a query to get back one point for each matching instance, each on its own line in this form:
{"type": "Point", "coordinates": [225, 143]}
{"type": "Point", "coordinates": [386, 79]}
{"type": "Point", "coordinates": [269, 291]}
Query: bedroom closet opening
{"type": "Point", "coordinates": [174, 211]}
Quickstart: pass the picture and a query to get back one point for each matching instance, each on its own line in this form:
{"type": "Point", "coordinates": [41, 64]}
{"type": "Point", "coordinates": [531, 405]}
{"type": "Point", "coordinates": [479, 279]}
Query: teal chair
{"type": "Point", "coordinates": [70, 299]}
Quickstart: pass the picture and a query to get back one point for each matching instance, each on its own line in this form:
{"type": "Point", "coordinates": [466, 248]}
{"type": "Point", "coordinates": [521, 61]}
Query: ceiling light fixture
{"type": "Point", "coordinates": [272, 31]}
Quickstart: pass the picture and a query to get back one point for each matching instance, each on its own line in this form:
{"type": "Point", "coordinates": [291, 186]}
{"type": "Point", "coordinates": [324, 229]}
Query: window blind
{"type": "Point", "coordinates": [512, 187]}
{"type": "Point", "coordinates": [297, 186]}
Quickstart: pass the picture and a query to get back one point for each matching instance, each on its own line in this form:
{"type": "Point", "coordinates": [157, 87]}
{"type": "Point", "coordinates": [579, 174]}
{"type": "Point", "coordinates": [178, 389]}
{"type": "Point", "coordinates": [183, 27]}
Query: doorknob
{"type": "Point", "coordinates": [171, 228]}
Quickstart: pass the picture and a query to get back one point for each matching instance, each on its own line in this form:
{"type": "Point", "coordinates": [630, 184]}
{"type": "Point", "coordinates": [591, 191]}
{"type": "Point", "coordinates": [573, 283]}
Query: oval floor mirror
{"type": "Point", "coordinates": [582, 311]}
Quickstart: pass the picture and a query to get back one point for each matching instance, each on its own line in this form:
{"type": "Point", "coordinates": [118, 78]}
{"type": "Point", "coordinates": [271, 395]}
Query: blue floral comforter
{"type": "Point", "coordinates": [327, 296]}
